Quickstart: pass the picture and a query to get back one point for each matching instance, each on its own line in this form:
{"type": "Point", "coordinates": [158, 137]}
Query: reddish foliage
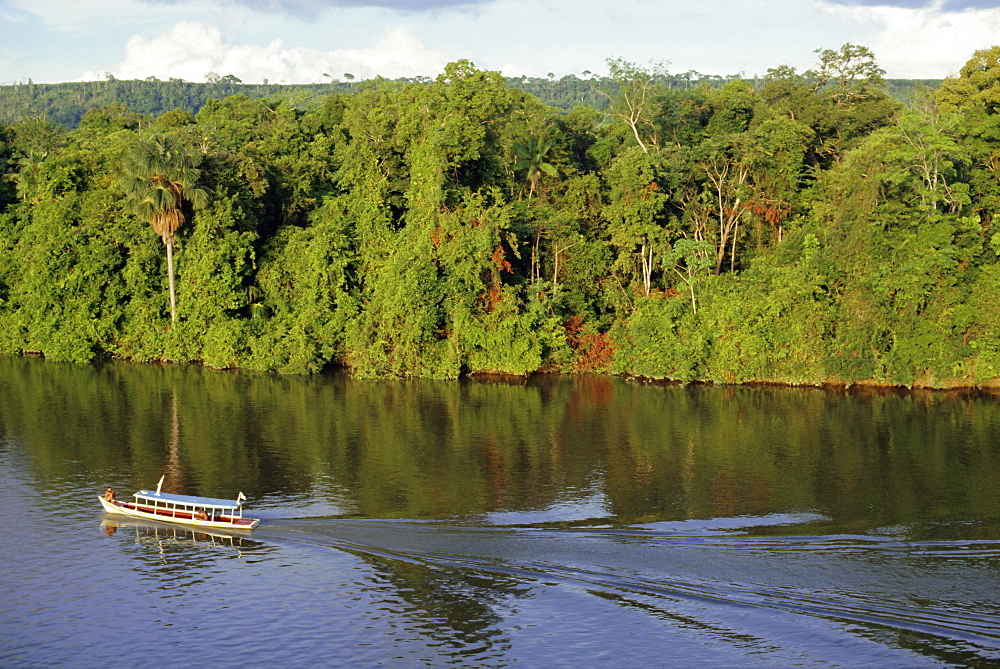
{"type": "Point", "coordinates": [643, 192]}
{"type": "Point", "coordinates": [500, 259]}
{"type": "Point", "coordinates": [666, 294]}
{"type": "Point", "coordinates": [597, 353]}
{"type": "Point", "coordinates": [437, 235]}
{"type": "Point", "coordinates": [573, 326]}
{"type": "Point", "coordinates": [593, 349]}
{"type": "Point", "coordinates": [490, 298]}
{"type": "Point", "coordinates": [769, 211]}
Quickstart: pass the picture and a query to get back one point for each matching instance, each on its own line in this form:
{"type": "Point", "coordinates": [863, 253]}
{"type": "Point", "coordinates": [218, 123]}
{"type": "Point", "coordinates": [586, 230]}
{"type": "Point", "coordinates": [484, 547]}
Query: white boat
{"type": "Point", "coordinates": [185, 509]}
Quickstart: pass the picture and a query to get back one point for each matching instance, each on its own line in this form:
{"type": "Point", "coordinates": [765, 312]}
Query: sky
{"type": "Point", "coordinates": [309, 41]}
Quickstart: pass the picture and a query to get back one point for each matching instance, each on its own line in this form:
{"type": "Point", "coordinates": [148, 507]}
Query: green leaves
{"type": "Point", "coordinates": [160, 175]}
{"type": "Point", "coordinates": [532, 155]}
{"type": "Point", "coordinates": [634, 216]}
{"type": "Point", "coordinates": [635, 97]}
{"type": "Point", "coordinates": [977, 87]}
{"type": "Point", "coordinates": [689, 259]}
{"type": "Point", "coordinates": [849, 74]}
{"type": "Point", "coordinates": [805, 232]}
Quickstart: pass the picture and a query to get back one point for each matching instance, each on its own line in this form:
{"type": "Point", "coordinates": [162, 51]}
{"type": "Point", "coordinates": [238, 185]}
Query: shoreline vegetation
{"type": "Point", "coordinates": [822, 228]}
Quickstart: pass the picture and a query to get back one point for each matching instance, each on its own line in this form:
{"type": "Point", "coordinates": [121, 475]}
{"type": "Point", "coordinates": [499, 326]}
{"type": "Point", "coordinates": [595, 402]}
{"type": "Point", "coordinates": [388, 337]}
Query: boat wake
{"type": "Point", "coordinates": [709, 578]}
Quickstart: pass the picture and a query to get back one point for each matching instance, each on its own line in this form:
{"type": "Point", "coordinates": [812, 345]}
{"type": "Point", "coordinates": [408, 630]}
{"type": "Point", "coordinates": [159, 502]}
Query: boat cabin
{"type": "Point", "coordinates": [167, 506]}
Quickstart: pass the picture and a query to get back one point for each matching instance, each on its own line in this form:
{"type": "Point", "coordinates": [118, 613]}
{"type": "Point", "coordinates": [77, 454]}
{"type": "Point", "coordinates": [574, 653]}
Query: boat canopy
{"type": "Point", "coordinates": [190, 500]}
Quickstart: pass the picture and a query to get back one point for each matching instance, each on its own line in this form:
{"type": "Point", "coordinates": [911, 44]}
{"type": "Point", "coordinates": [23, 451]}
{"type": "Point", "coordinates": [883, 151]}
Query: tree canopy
{"type": "Point", "coordinates": [803, 228]}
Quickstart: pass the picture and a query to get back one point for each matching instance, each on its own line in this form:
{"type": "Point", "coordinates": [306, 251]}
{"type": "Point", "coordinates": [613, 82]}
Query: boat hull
{"type": "Point", "coordinates": [172, 516]}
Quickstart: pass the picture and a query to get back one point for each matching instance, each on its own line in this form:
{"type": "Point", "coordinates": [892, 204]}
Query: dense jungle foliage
{"type": "Point", "coordinates": [67, 103]}
{"type": "Point", "coordinates": [807, 230]}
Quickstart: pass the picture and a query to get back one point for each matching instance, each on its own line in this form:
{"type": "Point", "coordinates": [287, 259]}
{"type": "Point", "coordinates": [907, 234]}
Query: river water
{"type": "Point", "coordinates": [546, 522]}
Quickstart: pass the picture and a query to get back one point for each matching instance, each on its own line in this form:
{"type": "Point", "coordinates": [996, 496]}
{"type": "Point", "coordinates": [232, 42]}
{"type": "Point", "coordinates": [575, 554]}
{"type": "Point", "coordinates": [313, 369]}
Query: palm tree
{"type": "Point", "coordinates": [28, 176]}
{"type": "Point", "coordinates": [160, 174]}
{"type": "Point", "coordinates": [532, 154]}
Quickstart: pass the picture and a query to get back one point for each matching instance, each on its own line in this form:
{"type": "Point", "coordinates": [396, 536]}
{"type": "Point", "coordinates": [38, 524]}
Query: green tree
{"type": "Point", "coordinates": [533, 157]}
{"type": "Point", "coordinates": [160, 175]}
{"type": "Point", "coordinates": [975, 96]}
{"type": "Point", "coordinates": [851, 83]}
{"type": "Point", "coordinates": [851, 73]}
{"type": "Point", "coordinates": [976, 85]}
{"type": "Point", "coordinates": [633, 96]}
{"type": "Point", "coordinates": [841, 101]}
{"type": "Point", "coordinates": [634, 216]}
{"type": "Point", "coordinates": [689, 259]}
{"type": "Point", "coordinates": [729, 190]}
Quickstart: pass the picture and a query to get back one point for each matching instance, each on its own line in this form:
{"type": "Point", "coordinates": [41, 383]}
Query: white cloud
{"type": "Point", "coordinates": [925, 42]}
{"type": "Point", "coordinates": [57, 39]}
{"type": "Point", "coordinates": [190, 50]}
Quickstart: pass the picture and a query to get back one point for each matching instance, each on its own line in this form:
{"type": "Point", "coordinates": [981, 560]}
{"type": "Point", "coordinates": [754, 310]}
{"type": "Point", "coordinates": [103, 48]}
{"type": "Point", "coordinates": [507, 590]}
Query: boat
{"type": "Point", "coordinates": [185, 509]}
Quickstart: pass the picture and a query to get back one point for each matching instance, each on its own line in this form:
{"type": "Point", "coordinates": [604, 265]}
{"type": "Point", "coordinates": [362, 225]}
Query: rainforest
{"type": "Point", "coordinates": [800, 228]}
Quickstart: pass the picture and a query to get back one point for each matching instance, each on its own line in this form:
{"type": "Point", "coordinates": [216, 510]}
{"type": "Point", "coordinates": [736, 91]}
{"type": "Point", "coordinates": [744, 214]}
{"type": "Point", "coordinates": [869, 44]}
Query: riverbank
{"type": "Point", "coordinates": [961, 386]}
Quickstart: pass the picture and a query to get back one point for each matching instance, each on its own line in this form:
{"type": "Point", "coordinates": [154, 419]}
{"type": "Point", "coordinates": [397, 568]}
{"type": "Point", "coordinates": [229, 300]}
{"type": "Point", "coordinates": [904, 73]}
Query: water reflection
{"type": "Point", "coordinates": [167, 539]}
{"type": "Point", "coordinates": [454, 606]}
{"type": "Point", "coordinates": [586, 448]}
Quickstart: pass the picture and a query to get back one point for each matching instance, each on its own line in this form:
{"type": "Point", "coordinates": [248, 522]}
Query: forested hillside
{"type": "Point", "coordinates": [66, 104]}
{"type": "Point", "coordinates": [806, 229]}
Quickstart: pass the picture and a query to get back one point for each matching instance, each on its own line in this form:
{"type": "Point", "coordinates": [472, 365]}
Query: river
{"type": "Point", "coordinates": [552, 521]}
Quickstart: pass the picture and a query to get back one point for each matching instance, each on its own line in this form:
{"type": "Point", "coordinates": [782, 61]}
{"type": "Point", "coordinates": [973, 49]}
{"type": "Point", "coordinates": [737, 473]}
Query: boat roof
{"type": "Point", "coordinates": [207, 502]}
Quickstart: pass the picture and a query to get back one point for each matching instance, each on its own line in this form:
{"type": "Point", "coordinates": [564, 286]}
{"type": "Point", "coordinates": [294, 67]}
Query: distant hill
{"type": "Point", "coordinates": [66, 103]}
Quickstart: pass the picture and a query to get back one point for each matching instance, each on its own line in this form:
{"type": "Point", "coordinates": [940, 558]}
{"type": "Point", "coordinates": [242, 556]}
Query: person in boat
{"type": "Point", "coordinates": [109, 495]}
{"type": "Point", "coordinates": [201, 515]}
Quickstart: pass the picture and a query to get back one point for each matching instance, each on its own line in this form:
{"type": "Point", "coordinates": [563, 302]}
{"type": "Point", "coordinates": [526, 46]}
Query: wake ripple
{"type": "Point", "coordinates": [935, 596]}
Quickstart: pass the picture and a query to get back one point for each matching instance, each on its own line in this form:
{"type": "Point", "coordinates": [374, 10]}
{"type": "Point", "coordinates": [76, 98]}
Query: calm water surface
{"type": "Point", "coordinates": [550, 522]}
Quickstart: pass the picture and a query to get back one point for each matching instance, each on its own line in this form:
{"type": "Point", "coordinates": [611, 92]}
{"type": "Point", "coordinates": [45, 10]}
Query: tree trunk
{"type": "Point", "coordinates": [170, 278]}
{"type": "Point", "coordinates": [646, 263]}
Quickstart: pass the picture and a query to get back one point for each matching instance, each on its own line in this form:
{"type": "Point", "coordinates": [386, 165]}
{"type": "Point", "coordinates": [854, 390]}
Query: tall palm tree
{"type": "Point", "coordinates": [28, 176]}
{"type": "Point", "coordinates": [533, 156]}
{"type": "Point", "coordinates": [160, 174]}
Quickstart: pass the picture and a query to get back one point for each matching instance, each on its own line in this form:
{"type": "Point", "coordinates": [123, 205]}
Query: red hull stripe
{"type": "Point", "coordinates": [169, 513]}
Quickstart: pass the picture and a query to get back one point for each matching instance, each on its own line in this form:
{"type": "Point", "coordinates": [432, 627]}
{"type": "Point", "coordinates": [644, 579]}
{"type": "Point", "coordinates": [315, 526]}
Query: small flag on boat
{"type": "Point", "coordinates": [240, 497]}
